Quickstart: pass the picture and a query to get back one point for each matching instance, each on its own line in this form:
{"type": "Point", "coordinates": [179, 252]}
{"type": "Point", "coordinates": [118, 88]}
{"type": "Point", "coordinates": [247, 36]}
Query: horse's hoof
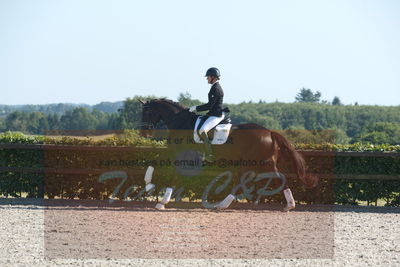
{"type": "Point", "coordinates": [218, 208]}
{"type": "Point", "coordinates": [289, 207]}
{"type": "Point", "coordinates": [149, 187]}
{"type": "Point", "coordinates": [160, 206]}
{"type": "Point", "coordinates": [224, 204]}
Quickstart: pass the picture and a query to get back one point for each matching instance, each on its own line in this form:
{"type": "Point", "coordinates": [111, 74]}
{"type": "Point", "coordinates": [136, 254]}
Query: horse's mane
{"type": "Point", "coordinates": [175, 104]}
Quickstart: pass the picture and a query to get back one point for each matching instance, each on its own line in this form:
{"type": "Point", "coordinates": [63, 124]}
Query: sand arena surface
{"type": "Point", "coordinates": [93, 233]}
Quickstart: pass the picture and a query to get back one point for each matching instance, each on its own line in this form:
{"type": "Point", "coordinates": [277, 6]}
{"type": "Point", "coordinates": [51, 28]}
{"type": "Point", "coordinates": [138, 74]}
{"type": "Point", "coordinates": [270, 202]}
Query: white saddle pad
{"type": "Point", "coordinates": [221, 133]}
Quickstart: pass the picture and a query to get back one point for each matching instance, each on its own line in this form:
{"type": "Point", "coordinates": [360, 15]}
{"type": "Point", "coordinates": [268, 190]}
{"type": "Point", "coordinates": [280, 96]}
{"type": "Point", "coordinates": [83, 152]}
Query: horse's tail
{"type": "Point", "coordinates": [288, 151]}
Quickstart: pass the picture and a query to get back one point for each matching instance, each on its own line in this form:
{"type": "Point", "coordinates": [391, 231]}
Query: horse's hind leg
{"type": "Point", "coordinates": [289, 199]}
{"type": "Point", "coordinates": [290, 203]}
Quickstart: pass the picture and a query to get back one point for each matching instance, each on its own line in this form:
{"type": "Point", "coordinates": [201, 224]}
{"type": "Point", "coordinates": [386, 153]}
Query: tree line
{"type": "Point", "coordinates": [309, 119]}
{"type": "Point", "coordinates": [60, 108]}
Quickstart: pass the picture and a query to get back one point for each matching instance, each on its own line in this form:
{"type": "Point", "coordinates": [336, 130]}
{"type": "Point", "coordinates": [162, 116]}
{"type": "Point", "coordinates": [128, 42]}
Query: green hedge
{"type": "Point", "coordinates": [134, 162]}
{"type": "Point", "coordinates": [66, 185]}
{"type": "Point", "coordinates": [353, 191]}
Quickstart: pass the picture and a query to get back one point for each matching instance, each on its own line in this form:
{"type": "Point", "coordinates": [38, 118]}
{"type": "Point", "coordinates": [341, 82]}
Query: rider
{"type": "Point", "coordinates": [214, 105]}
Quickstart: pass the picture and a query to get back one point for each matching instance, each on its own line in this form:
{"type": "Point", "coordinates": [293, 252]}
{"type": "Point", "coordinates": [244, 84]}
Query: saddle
{"type": "Point", "coordinates": [217, 135]}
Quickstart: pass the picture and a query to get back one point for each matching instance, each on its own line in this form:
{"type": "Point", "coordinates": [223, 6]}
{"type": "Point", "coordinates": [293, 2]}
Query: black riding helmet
{"type": "Point", "coordinates": [213, 72]}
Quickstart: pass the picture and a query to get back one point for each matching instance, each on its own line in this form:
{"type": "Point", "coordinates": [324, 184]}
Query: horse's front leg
{"type": "Point", "coordinates": [166, 198]}
{"type": "Point", "coordinates": [149, 186]}
{"type": "Point", "coordinates": [147, 178]}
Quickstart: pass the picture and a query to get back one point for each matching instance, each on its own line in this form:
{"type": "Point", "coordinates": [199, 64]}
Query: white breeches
{"type": "Point", "coordinates": [210, 123]}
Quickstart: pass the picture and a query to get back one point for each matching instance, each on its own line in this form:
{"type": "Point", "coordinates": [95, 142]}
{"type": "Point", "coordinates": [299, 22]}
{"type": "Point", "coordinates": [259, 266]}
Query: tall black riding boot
{"type": "Point", "coordinates": [209, 153]}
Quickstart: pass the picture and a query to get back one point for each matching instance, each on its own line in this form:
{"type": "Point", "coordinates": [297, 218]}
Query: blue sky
{"type": "Point", "coordinates": [92, 51]}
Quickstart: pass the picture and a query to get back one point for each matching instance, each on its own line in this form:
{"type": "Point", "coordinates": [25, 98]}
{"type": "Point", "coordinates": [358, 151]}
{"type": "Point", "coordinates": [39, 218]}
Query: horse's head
{"type": "Point", "coordinates": [171, 113]}
{"type": "Point", "coordinates": [151, 115]}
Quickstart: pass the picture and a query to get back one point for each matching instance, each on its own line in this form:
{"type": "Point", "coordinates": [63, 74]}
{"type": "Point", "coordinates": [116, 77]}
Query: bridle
{"type": "Point", "coordinates": [153, 114]}
{"type": "Point", "coordinates": [147, 125]}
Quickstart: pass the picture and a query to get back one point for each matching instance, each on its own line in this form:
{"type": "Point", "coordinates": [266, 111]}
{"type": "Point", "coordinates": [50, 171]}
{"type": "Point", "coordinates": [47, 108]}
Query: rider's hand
{"type": "Point", "coordinates": [192, 109]}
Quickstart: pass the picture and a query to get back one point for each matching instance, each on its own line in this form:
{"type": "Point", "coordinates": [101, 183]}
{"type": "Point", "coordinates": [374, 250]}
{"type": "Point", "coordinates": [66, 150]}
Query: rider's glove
{"type": "Point", "coordinates": [192, 108]}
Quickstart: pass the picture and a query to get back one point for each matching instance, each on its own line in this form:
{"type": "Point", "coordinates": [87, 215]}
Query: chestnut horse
{"type": "Point", "coordinates": [250, 141]}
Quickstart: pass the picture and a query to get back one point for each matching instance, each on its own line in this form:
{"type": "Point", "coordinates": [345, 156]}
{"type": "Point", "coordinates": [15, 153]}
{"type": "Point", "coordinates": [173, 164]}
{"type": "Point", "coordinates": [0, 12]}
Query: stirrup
{"type": "Point", "coordinates": [207, 142]}
{"type": "Point", "coordinates": [209, 158]}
